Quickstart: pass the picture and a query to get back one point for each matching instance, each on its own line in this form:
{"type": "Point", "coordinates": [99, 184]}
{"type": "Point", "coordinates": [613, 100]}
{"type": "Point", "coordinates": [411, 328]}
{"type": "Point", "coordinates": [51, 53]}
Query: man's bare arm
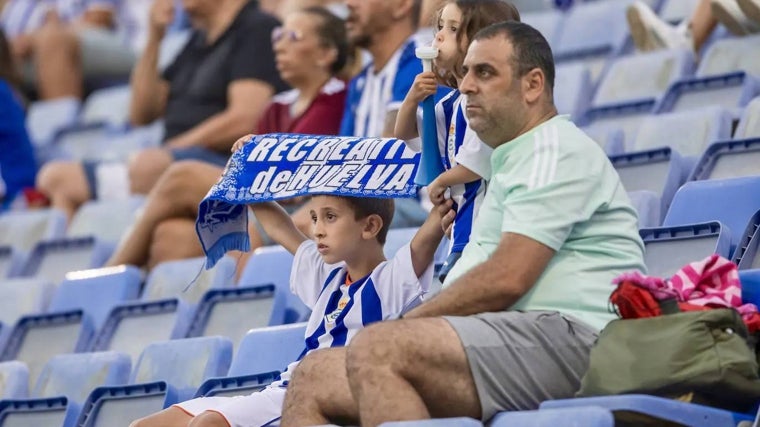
{"type": "Point", "coordinates": [494, 285]}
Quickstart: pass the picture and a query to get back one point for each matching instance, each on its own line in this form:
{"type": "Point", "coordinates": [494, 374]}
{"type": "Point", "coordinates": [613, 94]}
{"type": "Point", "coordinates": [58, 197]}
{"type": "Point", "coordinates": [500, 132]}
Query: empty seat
{"type": "Point", "coordinates": [14, 380]}
{"type": "Point", "coordinates": [749, 125]}
{"type": "Point", "coordinates": [731, 54]}
{"type": "Point", "coordinates": [78, 308]}
{"type": "Point", "coordinates": [166, 308]}
{"type": "Point", "coordinates": [572, 89]}
{"type": "Point", "coordinates": [11, 262]}
{"type": "Point", "coordinates": [729, 159]}
{"type": "Point", "coordinates": [232, 312]}
{"type": "Point", "coordinates": [732, 91]}
{"type": "Point", "coordinates": [119, 147]}
{"type": "Point", "coordinates": [45, 119]}
{"type": "Point", "coordinates": [81, 142]}
{"type": "Point", "coordinates": [667, 249]}
{"type": "Point", "coordinates": [746, 256]}
{"type": "Point", "coordinates": [188, 279]}
{"type": "Point", "coordinates": [51, 260]}
{"type": "Point", "coordinates": [109, 106]}
{"type": "Point", "coordinates": [643, 76]}
{"type": "Point", "coordinates": [108, 219]}
{"type": "Point", "coordinates": [548, 22]}
{"type": "Point", "coordinates": [166, 373]}
{"type": "Point", "coordinates": [630, 407]}
{"type": "Point", "coordinates": [626, 117]}
{"type": "Point", "coordinates": [398, 237]}
{"type": "Point", "coordinates": [660, 171]}
{"type": "Point", "coordinates": [688, 133]}
{"type": "Point", "coordinates": [586, 417]}
{"type": "Point", "coordinates": [675, 11]}
{"type": "Point", "coordinates": [272, 264]}
{"type": "Point", "coordinates": [261, 351]}
{"type": "Point", "coordinates": [730, 201]}
{"type": "Point", "coordinates": [647, 205]}
{"type": "Point", "coordinates": [64, 384]}
{"type": "Point", "coordinates": [19, 297]}
{"type": "Point", "coordinates": [23, 230]}
{"type": "Point", "coordinates": [583, 38]}
{"type": "Point", "coordinates": [610, 138]}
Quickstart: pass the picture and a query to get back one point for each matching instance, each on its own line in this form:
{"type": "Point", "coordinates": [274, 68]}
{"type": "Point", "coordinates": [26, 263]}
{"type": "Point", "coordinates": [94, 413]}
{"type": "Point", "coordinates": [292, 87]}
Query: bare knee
{"type": "Point", "coordinates": [146, 168]}
{"type": "Point", "coordinates": [56, 40]}
{"type": "Point", "coordinates": [373, 347]}
{"type": "Point", "coordinates": [63, 179]}
{"type": "Point", "coordinates": [209, 419]}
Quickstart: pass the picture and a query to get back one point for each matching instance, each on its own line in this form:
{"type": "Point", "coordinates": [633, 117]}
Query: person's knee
{"type": "Point", "coordinates": [209, 419]}
{"type": "Point", "coordinates": [142, 422]}
{"type": "Point", "coordinates": [172, 239]}
{"type": "Point", "coordinates": [178, 178]}
{"type": "Point", "coordinates": [60, 178]}
{"type": "Point", "coordinates": [372, 347]}
{"type": "Point", "coordinates": [145, 169]}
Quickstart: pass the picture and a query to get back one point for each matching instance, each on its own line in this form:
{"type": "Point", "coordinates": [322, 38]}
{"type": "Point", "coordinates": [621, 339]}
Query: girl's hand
{"type": "Point", "coordinates": [436, 191]}
{"type": "Point", "coordinates": [241, 142]}
{"type": "Point", "coordinates": [424, 85]}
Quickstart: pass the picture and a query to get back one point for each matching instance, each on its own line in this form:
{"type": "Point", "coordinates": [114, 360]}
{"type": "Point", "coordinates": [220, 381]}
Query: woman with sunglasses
{"type": "Point", "coordinates": [310, 50]}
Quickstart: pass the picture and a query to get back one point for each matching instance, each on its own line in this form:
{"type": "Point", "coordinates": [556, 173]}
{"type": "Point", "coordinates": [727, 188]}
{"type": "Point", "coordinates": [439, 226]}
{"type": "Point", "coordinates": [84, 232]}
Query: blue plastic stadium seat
{"type": "Point", "coordinates": [80, 142]}
{"type": "Point", "coordinates": [581, 38]}
{"type": "Point", "coordinates": [567, 417]}
{"type": "Point", "coordinates": [750, 286]}
{"type": "Point", "coordinates": [746, 255]}
{"type": "Point", "coordinates": [232, 312]}
{"type": "Point", "coordinates": [272, 264]}
{"type": "Point", "coordinates": [398, 237]}
{"type": "Point", "coordinates": [652, 73]}
{"type": "Point", "coordinates": [11, 261]}
{"type": "Point", "coordinates": [14, 380]}
{"type": "Point", "coordinates": [572, 89]}
{"type": "Point", "coordinates": [729, 159]}
{"type": "Point", "coordinates": [63, 386]}
{"type": "Point", "coordinates": [107, 219]}
{"type": "Point", "coordinates": [23, 230]}
{"type": "Point", "coordinates": [166, 308]}
{"type": "Point", "coordinates": [667, 249]}
{"type": "Point", "coordinates": [731, 201]}
{"type": "Point", "coordinates": [262, 353]}
{"type": "Point", "coordinates": [78, 308]}
{"type": "Point", "coordinates": [675, 11]}
{"type": "Point", "coordinates": [166, 373]}
{"type": "Point", "coordinates": [441, 422]}
{"type": "Point", "coordinates": [626, 117]}
{"type": "Point", "coordinates": [647, 205]}
{"type": "Point", "coordinates": [688, 133]}
{"type": "Point", "coordinates": [627, 406]}
{"type": "Point", "coordinates": [19, 297]}
{"type": "Point", "coordinates": [731, 54]}
{"type": "Point", "coordinates": [610, 138]}
{"type": "Point", "coordinates": [548, 22]}
{"type": "Point", "coordinates": [45, 119]}
{"type": "Point", "coordinates": [732, 91]}
{"type": "Point", "coordinates": [109, 106]}
{"type": "Point", "coordinates": [749, 125]}
{"type": "Point", "coordinates": [661, 171]}
{"type": "Point", "coordinates": [53, 259]}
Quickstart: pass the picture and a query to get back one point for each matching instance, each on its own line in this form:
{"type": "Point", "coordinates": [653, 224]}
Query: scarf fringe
{"type": "Point", "coordinates": [230, 242]}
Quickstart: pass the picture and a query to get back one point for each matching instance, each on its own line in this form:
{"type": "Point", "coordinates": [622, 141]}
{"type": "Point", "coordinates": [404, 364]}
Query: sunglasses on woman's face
{"type": "Point", "coordinates": [280, 33]}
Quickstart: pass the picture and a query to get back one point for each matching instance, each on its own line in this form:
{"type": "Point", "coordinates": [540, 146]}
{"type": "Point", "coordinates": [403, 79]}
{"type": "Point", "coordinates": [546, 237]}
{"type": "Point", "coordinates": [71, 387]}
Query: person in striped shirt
{"type": "Point", "coordinates": [343, 276]}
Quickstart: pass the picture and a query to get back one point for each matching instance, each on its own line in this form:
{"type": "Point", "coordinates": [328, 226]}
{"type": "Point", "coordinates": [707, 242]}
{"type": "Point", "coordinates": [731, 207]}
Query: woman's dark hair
{"type": "Point", "coordinates": [476, 15]}
{"type": "Point", "coordinates": [332, 33]}
{"type": "Point", "coordinates": [8, 70]}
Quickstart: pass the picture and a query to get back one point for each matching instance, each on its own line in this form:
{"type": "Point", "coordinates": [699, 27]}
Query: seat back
{"type": "Point", "coordinates": [572, 88]}
{"type": "Point", "coordinates": [51, 260]}
{"type": "Point", "coordinates": [746, 256]}
{"type": "Point", "coordinates": [626, 117]}
{"type": "Point", "coordinates": [749, 125]}
{"type": "Point", "coordinates": [731, 91]}
{"type": "Point", "coordinates": [729, 159]}
{"type": "Point", "coordinates": [14, 380]}
{"type": "Point", "coordinates": [11, 261]}
{"type": "Point", "coordinates": [731, 54]}
{"type": "Point", "coordinates": [107, 219]}
{"type": "Point", "coordinates": [188, 279]}
{"type": "Point", "coordinates": [109, 106]}
{"type": "Point", "coordinates": [647, 205]}
{"type": "Point", "coordinates": [45, 119]}
{"type": "Point", "coordinates": [667, 249]}
{"type": "Point", "coordinates": [269, 349]}
{"type": "Point", "coordinates": [548, 22]}
{"type": "Point", "coordinates": [23, 230]}
{"type": "Point", "coordinates": [19, 297]}
{"type": "Point", "coordinates": [75, 375]}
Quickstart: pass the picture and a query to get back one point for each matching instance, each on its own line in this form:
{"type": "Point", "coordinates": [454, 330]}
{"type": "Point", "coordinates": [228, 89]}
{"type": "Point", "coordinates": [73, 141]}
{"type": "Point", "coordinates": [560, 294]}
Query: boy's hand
{"type": "Point", "coordinates": [447, 216]}
{"type": "Point", "coordinates": [161, 16]}
{"type": "Point", "coordinates": [436, 191]}
{"type": "Point", "coordinates": [424, 85]}
{"type": "Point", "coordinates": [241, 142]}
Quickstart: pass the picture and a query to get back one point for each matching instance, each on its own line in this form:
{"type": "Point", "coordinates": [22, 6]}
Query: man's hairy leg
{"type": "Point", "coordinates": [409, 370]}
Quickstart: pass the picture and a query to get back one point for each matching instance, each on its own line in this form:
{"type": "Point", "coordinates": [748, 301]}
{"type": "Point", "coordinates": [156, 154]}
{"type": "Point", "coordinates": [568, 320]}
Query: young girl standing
{"type": "Point", "coordinates": [465, 158]}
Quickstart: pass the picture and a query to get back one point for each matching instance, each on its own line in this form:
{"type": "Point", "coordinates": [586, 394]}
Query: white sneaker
{"type": "Point", "coordinates": [751, 9]}
{"type": "Point", "coordinates": [728, 13]}
{"type": "Point", "coordinates": [649, 32]}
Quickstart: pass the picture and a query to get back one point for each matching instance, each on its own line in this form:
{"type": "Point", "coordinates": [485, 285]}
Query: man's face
{"type": "Point", "coordinates": [495, 106]}
{"type": "Point", "coordinates": [366, 18]}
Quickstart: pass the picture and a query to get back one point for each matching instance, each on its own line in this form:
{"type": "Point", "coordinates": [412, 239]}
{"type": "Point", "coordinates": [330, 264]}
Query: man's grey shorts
{"type": "Point", "coordinates": [520, 359]}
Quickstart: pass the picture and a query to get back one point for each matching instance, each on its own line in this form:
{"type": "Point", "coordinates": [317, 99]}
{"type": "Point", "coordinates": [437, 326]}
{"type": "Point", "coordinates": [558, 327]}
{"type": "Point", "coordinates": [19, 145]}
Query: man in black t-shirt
{"type": "Point", "coordinates": [215, 91]}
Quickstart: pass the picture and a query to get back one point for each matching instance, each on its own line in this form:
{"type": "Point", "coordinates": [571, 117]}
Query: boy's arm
{"type": "Point", "coordinates": [278, 225]}
{"type": "Point", "coordinates": [454, 176]}
{"type": "Point", "coordinates": [425, 242]}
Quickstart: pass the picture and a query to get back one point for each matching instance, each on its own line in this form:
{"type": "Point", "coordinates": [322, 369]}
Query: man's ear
{"type": "Point", "coordinates": [372, 226]}
{"type": "Point", "coordinates": [533, 83]}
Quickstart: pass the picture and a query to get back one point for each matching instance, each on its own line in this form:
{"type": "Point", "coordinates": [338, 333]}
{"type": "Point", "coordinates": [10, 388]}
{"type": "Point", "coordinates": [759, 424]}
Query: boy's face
{"type": "Point", "coordinates": [337, 232]}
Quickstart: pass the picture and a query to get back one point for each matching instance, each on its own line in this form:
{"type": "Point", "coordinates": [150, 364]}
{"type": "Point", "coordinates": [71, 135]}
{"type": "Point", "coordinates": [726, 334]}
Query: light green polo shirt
{"type": "Point", "coordinates": [555, 185]}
